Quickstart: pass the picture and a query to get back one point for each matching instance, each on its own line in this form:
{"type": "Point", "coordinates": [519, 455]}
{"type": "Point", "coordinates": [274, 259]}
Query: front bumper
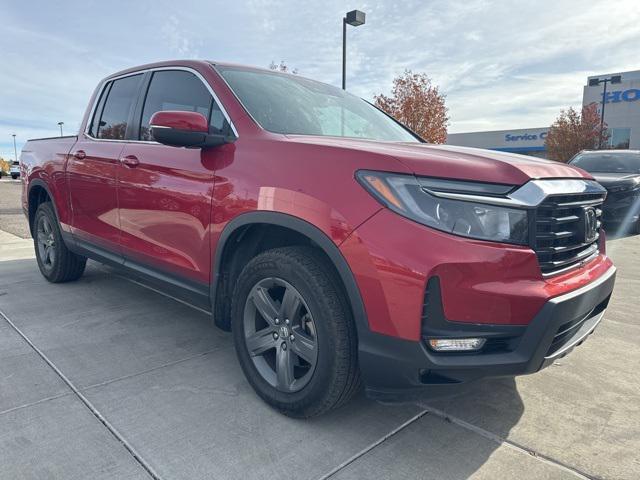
{"type": "Point", "coordinates": [621, 208]}
{"type": "Point", "coordinates": [397, 369]}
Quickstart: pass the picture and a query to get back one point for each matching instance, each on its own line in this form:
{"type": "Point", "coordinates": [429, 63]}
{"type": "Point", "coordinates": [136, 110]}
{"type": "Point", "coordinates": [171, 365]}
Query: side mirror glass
{"type": "Point", "coordinates": [184, 129]}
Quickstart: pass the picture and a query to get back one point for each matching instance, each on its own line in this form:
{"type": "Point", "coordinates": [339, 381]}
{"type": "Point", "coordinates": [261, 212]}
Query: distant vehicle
{"type": "Point", "coordinates": [334, 243]}
{"type": "Point", "coordinates": [14, 171]}
{"type": "Point", "coordinates": [619, 172]}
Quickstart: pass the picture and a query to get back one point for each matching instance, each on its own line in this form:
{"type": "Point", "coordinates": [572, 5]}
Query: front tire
{"type": "Point", "coordinates": [56, 262]}
{"type": "Point", "coordinates": [14, 177]}
{"type": "Point", "coordinates": [294, 333]}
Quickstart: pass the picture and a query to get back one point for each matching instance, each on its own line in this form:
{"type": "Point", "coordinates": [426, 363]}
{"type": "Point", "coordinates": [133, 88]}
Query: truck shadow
{"type": "Point", "coordinates": [493, 405]}
{"type": "Point", "coordinates": [455, 438]}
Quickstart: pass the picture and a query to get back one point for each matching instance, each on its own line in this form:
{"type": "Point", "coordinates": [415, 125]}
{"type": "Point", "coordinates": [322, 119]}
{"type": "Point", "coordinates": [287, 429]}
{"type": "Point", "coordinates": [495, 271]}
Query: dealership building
{"type": "Point", "coordinates": [621, 114]}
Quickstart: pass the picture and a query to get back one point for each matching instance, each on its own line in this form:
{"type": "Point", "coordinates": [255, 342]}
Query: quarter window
{"type": "Point", "coordinates": [117, 109]}
{"type": "Point", "coordinates": [95, 121]}
{"type": "Point", "coordinates": [180, 90]}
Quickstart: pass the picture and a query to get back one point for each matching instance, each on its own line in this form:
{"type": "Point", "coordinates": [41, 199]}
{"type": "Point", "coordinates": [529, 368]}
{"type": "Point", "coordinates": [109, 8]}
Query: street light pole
{"type": "Point", "coordinates": [604, 96]}
{"type": "Point", "coordinates": [60, 125]}
{"type": "Point", "coordinates": [15, 150]}
{"type": "Point", "coordinates": [344, 53]}
{"type": "Point", "coordinates": [594, 82]}
{"type": "Point", "coordinates": [355, 18]}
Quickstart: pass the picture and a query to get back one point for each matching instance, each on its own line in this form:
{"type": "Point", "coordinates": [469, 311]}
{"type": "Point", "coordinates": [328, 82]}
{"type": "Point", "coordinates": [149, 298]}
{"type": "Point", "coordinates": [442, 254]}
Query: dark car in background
{"type": "Point", "coordinates": [619, 172]}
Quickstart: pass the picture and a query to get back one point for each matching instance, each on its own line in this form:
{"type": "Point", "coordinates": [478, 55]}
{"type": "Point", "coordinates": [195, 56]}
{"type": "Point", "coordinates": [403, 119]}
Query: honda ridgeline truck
{"type": "Point", "coordinates": [337, 246]}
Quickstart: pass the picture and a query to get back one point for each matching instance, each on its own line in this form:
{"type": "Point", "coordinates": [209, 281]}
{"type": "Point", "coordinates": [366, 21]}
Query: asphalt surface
{"type": "Point", "coordinates": [106, 378]}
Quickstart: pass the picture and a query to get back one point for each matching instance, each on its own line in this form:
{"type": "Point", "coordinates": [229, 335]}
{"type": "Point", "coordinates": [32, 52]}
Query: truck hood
{"type": "Point", "coordinates": [461, 163]}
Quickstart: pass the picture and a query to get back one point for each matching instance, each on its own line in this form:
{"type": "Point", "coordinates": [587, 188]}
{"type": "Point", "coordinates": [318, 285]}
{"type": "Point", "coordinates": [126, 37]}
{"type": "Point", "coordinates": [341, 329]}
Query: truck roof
{"type": "Point", "coordinates": [185, 63]}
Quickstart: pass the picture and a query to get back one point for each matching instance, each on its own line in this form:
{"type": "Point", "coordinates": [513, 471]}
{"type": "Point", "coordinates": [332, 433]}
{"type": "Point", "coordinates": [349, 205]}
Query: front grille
{"type": "Point", "coordinates": [560, 231]}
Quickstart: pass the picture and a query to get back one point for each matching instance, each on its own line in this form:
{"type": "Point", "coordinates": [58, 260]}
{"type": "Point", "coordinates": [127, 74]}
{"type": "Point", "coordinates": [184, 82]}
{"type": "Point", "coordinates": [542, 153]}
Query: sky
{"type": "Point", "coordinates": [501, 64]}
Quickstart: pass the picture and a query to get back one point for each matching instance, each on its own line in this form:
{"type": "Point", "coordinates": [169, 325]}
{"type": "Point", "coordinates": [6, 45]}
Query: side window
{"type": "Point", "coordinates": [179, 90]}
{"type": "Point", "coordinates": [117, 108]}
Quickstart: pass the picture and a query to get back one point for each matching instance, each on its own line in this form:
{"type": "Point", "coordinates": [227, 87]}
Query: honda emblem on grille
{"type": "Point", "coordinates": [590, 224]}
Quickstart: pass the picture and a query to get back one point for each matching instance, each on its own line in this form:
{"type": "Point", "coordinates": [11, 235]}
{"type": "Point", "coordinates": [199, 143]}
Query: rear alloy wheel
{"type": "Point", "coordinates": [56, 262]}
{"type": "Point", "coordinates": [46, 243]}
{"type": "Point", "coordinates": [294, 333]}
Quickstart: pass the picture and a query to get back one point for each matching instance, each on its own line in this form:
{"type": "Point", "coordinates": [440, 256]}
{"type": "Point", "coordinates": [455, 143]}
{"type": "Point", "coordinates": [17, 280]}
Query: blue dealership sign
{"type": "Point", "coordinates": [630, 95]}
{"type": "Point", "coordinates": [509, 137]}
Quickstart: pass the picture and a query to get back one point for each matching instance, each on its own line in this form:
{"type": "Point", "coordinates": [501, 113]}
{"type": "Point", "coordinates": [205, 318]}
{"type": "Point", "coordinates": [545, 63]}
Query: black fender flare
{"type": "Point", "coordinates": [309, 230]}
{"type": "Point", "coordinates": [38, 182]}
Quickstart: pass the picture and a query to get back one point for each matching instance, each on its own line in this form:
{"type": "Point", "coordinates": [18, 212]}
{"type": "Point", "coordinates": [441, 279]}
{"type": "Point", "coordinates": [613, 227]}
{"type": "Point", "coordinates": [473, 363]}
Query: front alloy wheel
{"type": "Point", "coordinates": [294, 332]}
{"type": "Point", "coordinates": [280, 334]}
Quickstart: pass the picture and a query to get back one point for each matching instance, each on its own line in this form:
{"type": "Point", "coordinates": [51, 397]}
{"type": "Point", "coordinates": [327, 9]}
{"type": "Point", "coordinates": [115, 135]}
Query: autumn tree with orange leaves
{"type": "Point", "coordinates": [574, 131]}
{"type": "Point", "coordinates": [418, 104]}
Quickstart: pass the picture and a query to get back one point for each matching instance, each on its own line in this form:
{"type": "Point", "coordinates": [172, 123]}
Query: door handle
{"type": "Point", "coordinates": [80, 155]}
{"type": "Point", "coordinates": [130, 161]}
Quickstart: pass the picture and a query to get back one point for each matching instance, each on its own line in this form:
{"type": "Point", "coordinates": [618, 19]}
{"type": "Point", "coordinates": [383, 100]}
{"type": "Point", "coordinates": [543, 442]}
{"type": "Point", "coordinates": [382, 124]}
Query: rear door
{"type": "Point", "coordinates": [92, 165]}
{"type": "Point", "coordinates": [164, 192]}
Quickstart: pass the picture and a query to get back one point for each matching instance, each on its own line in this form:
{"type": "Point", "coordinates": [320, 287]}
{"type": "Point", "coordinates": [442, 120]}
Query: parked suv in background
{"type": "Point", "coordinates": [14, 170]}
{"type": "Point", "coordinates": [335, 244]}
{"type": "Point", "coordinates": [619, 172]}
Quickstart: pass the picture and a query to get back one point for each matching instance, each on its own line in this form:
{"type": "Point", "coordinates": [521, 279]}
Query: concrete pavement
{"type": "Point", "coordinates": [11, 216]}
{"type": "Point", "coordinates": [104, 378]}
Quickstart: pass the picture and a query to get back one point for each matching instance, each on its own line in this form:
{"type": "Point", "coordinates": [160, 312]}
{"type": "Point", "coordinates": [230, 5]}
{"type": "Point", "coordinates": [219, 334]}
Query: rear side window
{"type": "Point", "coordinates": [180, 90]}
{"type": "Point", "coordinates": [117, 109]}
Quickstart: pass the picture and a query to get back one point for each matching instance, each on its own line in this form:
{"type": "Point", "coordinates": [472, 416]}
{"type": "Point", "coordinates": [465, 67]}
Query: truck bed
{"type": "Point", "coordinates": [45, 158]}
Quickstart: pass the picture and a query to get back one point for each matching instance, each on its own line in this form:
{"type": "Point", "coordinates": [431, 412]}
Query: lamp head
{"type": "Point", "coordinates": [355, 18]}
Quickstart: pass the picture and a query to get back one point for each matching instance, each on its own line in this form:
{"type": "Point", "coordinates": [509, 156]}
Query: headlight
{"type": "Point", "coordinates": [627, 187]}
{"type": "Point", "coordinates": [409, 196]}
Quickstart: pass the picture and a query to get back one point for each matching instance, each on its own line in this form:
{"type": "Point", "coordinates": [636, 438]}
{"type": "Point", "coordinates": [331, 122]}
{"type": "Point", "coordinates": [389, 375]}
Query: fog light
{"type": "Point", "coordinates": [456, 344]}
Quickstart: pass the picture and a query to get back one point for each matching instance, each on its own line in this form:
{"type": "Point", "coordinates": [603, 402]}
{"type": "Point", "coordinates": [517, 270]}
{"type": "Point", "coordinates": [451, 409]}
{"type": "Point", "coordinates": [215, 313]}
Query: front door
{"type": "Point", "coordinates": [165, 193]}
{"type": "Point", "coordinates": [93, 166]}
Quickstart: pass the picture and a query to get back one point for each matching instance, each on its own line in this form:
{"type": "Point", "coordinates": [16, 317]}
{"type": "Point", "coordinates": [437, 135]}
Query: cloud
{"type": "Point", "coordinates": [501, 64]}
{"type": "Point", "coordinates": [178, 40]}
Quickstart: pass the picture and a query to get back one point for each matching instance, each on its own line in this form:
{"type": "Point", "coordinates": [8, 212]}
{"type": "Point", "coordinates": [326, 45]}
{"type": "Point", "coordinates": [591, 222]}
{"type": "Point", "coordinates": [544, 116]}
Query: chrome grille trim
{"type": "Point", "coordinates": [559, 238]}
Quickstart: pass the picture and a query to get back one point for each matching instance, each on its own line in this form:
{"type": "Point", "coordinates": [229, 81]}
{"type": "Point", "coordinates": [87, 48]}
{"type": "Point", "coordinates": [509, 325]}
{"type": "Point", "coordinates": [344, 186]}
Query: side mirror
{"type": "Point", "coordinates": [184, 129]}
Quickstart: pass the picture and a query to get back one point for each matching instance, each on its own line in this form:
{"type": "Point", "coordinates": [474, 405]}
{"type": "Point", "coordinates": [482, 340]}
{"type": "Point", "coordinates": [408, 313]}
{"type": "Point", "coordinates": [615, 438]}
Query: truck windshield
{"type": "Point", "coordinates": [289, 104]}
{"type": "Point", "coordinates": [617, 162]}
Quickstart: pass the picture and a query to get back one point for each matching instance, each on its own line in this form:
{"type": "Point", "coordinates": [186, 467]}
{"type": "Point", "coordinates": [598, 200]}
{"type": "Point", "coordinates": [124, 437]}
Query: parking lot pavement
{"type": "Point", "coordinates": [11, 216]}
{"type": "Point", "coordinates": [103, 378]}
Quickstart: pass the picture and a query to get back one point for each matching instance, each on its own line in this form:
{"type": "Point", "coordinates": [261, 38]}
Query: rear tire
{"type": "Point", "coordinates": [295, 283]}
{"type": "Point", "coordinates": [14, 177]}
{"type": "Point", "coordinates": [56, 262]}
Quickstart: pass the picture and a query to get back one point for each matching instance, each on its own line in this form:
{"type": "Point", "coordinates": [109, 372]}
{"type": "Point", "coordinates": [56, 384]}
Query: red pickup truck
{"type": "Point", "coordinates": [337, 245]}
